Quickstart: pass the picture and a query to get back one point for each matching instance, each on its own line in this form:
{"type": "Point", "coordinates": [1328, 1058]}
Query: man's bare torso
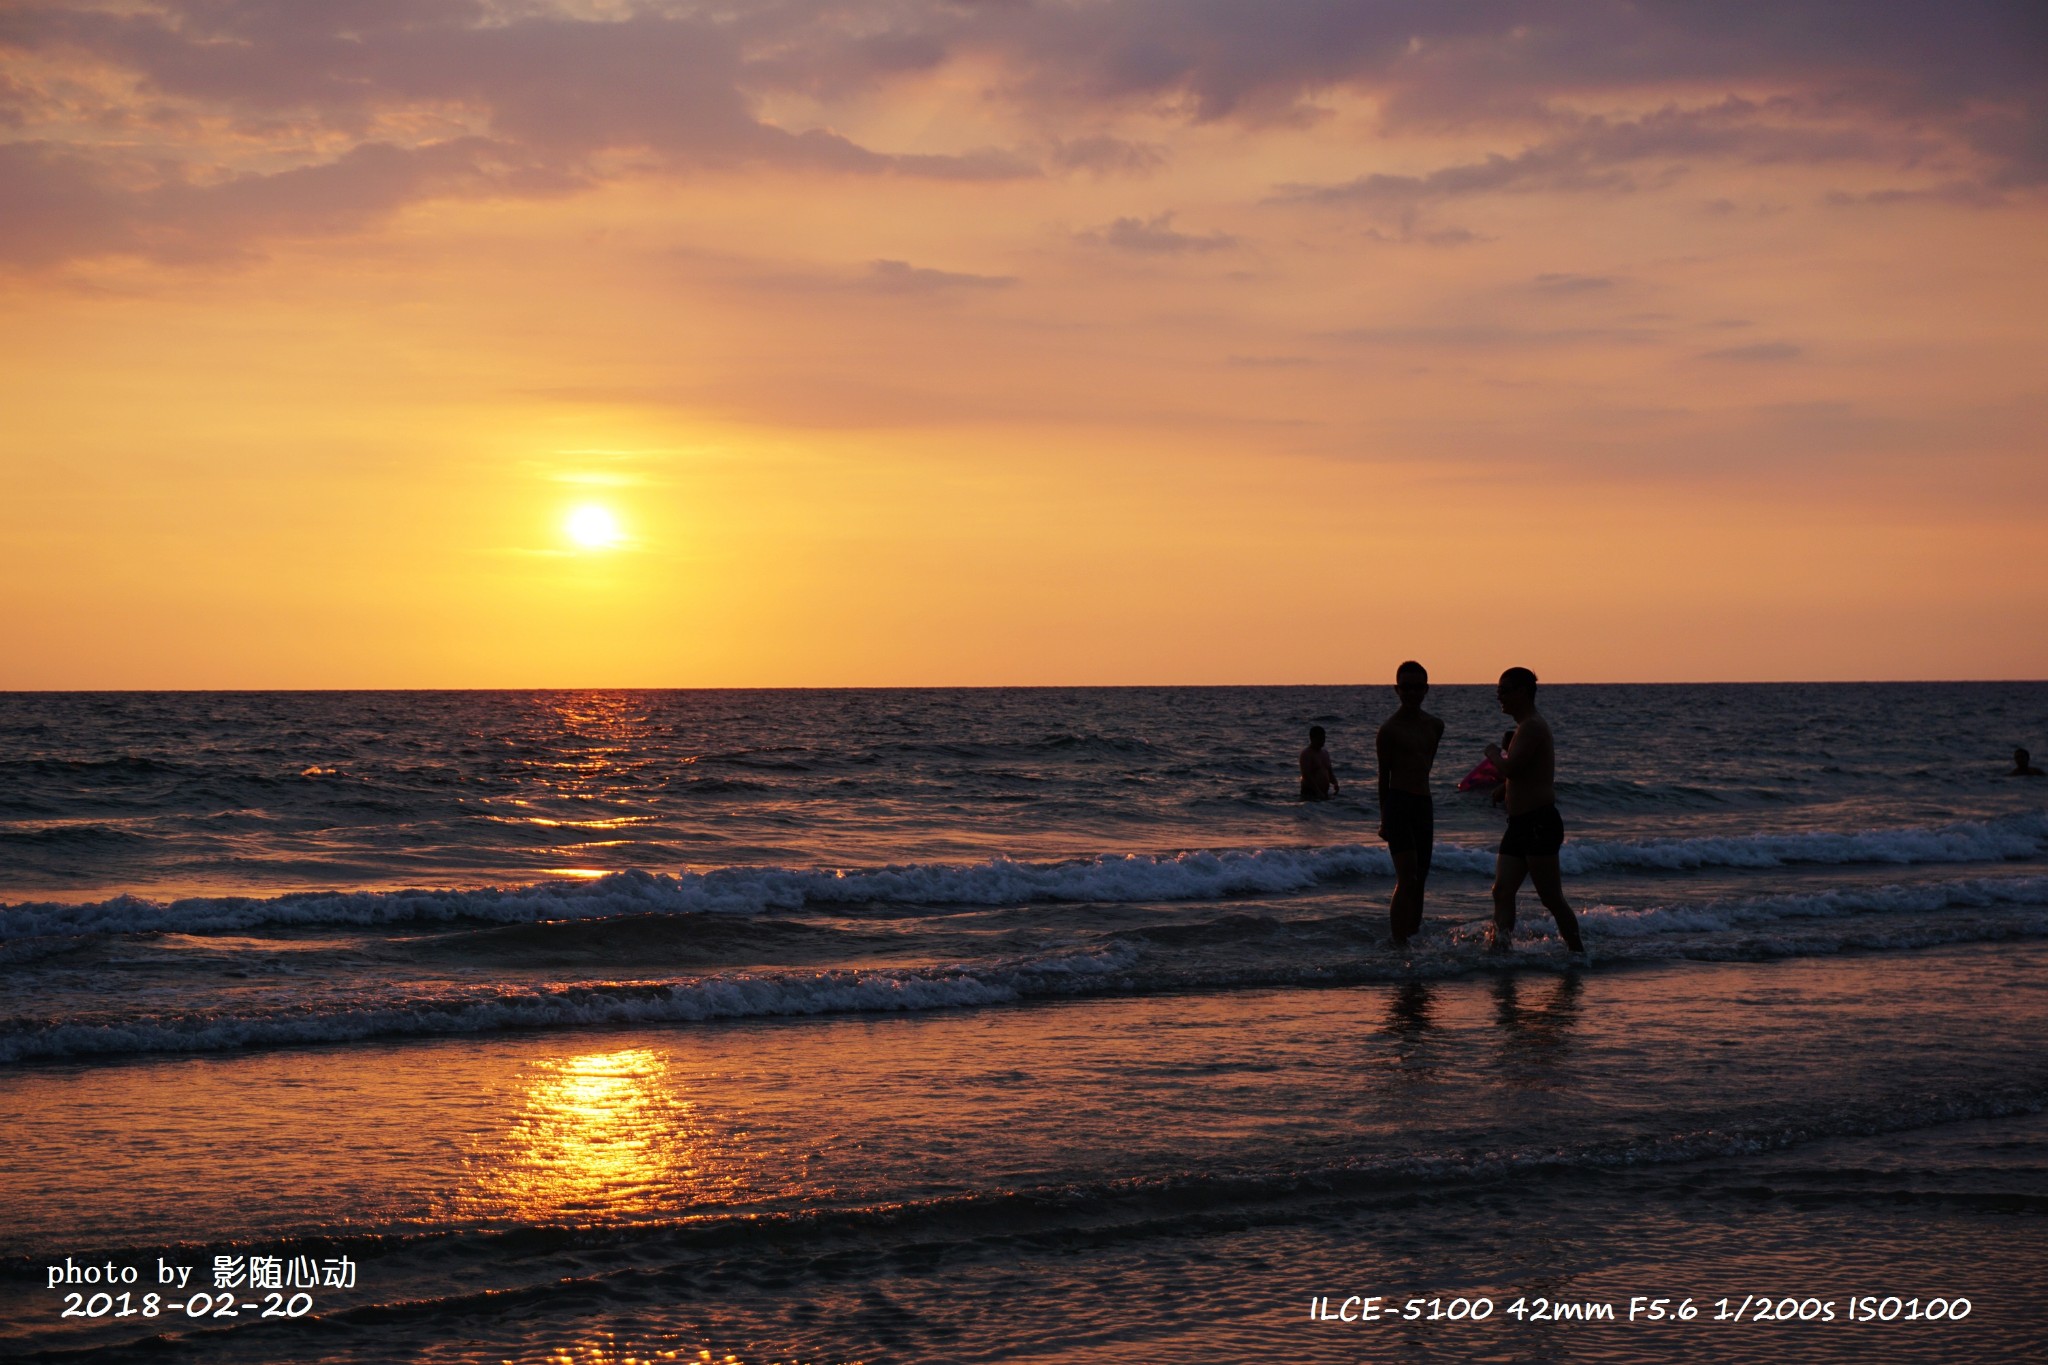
{"type": "Point", "coordinates": [1532, 766]}
{"type": "Point", "coordinates": [1407, 751]}
{"type": "Point", "coordinates": [1318, 778]}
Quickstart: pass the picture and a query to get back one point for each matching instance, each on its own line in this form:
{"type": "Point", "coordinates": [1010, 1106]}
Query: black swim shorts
{"type": "Point", "coordinates": [1535, 833]}
{"type": "Point", "coordinates": [1410, 822]}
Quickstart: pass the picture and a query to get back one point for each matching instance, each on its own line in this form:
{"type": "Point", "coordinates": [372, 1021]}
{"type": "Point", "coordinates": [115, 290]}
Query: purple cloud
{"type": "Point", "coordinates": [1605, 155]}
{"type": "Point", "coordinates": [1105, 155]}
{"type": "Point", "coordinates": [249, 119]}
{"type": "Point", "coordinates": [527, 104]}
{"type": "Point", "coordinates": [1155, 237]}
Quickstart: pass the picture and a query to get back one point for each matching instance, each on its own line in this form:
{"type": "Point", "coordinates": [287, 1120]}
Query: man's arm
{"type": "Point", "coordinates": [1516, 756]}
{"type": "Point", "coordinates": [1382, 748]}
{"type": "Point", "coordinates": [1531, 749]}
{"type": "Point", "coordinates": [1498, 757]}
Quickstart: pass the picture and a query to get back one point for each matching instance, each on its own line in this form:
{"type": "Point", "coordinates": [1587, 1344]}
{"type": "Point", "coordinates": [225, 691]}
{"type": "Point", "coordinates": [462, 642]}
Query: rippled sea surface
{"type": "Point", "coordinates": [1014, 1024]}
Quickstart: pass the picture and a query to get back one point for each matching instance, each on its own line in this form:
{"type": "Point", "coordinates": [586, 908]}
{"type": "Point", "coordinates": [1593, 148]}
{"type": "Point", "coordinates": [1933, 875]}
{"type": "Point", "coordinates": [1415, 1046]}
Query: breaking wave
{"type": "Point", "coordinates": [1723, 915]}
{"type": "Point", "coordinates": [500, 1008]}
{"type": "Point", "coordinates": [1197, 875]}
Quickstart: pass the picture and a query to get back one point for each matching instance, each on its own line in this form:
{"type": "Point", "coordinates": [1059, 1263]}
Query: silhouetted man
{"type": "Point", "coordinates": [2023, 765]}
{"type": "Point", "coordinates": [1407, 750]}
{"type": "Point", "coordinates": [1535, 830]}
{"type": "Point", "coordinates": [1318, 778]}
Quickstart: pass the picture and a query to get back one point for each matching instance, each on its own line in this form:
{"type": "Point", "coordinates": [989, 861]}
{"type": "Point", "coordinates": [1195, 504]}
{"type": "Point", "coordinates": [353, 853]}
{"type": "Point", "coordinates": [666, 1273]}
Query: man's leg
{"type": "Point", "coordinates": [1421, 885]}
{"type": "Point", "coordinates": [1543, 871]}
{"type": "Point", "coordinates": [1407, 884]}
{"type": "Point", "coordinates": [1425, 854]}
{"type": "Point", "coordinates": [1508, 872]}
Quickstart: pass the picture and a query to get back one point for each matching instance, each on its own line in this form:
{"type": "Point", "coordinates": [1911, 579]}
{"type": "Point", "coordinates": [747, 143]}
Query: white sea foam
{"type": "Point", "coordinates": [1115, 965]}
{"type": "Point", "coordinates": [1723, 915]}
{"type": "Point", "coordinates": [1198, 875]}
{"type": "Point", "coordinates": [1201, 875]}
{"type": "Point", "coordinates": [1968, 841]}
{"type": "Point", "coordinates": [741, 995]}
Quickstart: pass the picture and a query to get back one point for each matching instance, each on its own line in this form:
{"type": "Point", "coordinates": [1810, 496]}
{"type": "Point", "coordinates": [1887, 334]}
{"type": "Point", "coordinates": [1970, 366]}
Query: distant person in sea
{"type": "Point", "coordinates": [1535, 830]}
{"type": "Point", "coordinates": [1318, 778]}
{"type": "Point", "coordinates": [1407, 750]}
{"type": "Point", "coordinates": [2023, 765]}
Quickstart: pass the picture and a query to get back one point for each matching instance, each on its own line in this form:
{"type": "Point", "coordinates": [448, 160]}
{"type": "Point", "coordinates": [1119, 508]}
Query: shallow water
{"type": "Point", "coordinates": [1066, 1034]}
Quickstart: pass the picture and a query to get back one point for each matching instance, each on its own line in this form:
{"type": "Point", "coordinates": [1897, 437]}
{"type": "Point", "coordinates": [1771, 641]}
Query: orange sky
{"type": "Point", "coordinates": [964, 344]}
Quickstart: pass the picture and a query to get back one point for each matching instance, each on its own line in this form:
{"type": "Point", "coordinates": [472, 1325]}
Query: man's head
{"type": "Point", "coordinates": [2021, 758]}
{"type": "Point", "coordinates": [1517, 690]}
{"type": "Point", "coordinates": [1315, 736]}
{"type": "Point", "coordinates": [1411, 681]}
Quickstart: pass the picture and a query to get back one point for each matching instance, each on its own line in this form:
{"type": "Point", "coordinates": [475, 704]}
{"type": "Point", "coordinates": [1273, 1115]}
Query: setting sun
{"type": "Point", "coordinates": [593, 527]}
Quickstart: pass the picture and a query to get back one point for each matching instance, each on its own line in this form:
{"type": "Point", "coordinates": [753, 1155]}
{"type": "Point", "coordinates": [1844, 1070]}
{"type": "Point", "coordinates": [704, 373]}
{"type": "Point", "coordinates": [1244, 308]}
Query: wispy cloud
{"type": "Point", "coordinates": [1762, 353]}
{"type": "Point", "coordinates": [1106, 155]}
{"type": "Point", "coordinates": [190, 128]}
{"type": "Point", "coordinates": [901, 277]}
{"type": "Point", "coordinates": [1601, 155]}
{"type": "Point", "coordinates": [1493, 337]}
{"type": "Point", "coordinates": [1560, 282]}
{"type": "Point", "coordinates": [1155, 236]}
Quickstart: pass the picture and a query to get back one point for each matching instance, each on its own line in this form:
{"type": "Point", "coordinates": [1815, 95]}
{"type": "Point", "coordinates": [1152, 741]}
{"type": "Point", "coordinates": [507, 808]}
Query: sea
{"type": "Point", "coordinates": [989, 1025]}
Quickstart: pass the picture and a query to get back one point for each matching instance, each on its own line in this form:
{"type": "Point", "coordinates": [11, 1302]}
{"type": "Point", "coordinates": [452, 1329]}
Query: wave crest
{"type": "Point", "coordinates": [1207, 874]}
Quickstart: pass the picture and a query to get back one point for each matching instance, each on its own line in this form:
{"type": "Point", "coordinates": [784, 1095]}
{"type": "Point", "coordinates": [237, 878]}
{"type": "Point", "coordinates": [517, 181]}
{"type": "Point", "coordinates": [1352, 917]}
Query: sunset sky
{"type": "Point", "coordinates": [458, 343]}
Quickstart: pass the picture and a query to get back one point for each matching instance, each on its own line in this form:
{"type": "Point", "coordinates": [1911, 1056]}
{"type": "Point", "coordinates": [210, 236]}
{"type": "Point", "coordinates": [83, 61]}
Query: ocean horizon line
{"type": "Point", "coordinates": [514, 689]}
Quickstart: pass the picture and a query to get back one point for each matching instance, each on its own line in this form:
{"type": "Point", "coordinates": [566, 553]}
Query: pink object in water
{"type": "Point", "coordinates": [1481, 777]}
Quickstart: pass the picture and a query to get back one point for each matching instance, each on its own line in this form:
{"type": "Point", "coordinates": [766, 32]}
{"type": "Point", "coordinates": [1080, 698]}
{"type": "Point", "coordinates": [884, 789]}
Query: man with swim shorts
{"type": "Point", "coordinates": [1535, 830]}
{"type": "Point", "coordinates": [1407, 750]}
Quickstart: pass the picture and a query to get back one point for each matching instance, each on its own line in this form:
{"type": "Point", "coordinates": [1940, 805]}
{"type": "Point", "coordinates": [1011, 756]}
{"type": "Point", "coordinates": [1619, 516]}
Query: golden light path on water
{"type": "Point", "coordinates": [605, 1136]}
{"type": "Point", "coordinates": [610, 1353]}
{"type": "Point", "coordinates": [596, 1135]}
{"type": "Point", "coordinates": [605, 766]}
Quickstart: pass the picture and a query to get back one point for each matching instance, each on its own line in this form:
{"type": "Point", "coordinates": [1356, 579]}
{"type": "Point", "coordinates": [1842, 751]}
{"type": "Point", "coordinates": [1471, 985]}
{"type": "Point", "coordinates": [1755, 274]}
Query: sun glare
{"type": "Point", "coordinates": [593, 527]}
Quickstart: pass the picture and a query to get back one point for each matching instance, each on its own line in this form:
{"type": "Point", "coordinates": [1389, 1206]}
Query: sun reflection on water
{"type": "Point", "coordinates": [598, 1134]}
{"type": "Point", "coordinates": [582, 768]}
{"type": "Point", "coordinates": [608, 1351]}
